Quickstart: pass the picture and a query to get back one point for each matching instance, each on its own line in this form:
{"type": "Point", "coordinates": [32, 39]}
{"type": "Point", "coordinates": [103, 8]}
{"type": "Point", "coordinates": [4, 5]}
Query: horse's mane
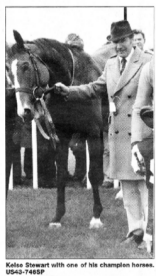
{"type": "Point", "coordinates": [42, 44]}
{"type": "Point", "coordinates": [51, 50]}
{"type": "Point", "coordinates": [45, 47]}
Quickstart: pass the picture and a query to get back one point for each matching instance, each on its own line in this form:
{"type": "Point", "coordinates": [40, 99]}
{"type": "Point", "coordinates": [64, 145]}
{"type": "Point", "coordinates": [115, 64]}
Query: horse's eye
{"type": "Point", "coordinates": [25, 66]}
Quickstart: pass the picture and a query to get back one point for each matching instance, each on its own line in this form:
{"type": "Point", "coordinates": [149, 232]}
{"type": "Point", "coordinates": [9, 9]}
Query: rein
{"type": "Point", "coordinates": [48, 119]}
{"type": "Point", "coordinates": [73, 75]}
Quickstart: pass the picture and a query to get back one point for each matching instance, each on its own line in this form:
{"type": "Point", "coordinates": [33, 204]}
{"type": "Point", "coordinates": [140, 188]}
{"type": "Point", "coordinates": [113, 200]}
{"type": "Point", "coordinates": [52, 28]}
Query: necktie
{"type": "Point", "coordinates": [123, 64]}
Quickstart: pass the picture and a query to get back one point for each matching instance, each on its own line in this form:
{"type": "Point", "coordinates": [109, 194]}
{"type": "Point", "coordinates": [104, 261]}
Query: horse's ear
{"type": "Point", "coordinates": [18, 39]}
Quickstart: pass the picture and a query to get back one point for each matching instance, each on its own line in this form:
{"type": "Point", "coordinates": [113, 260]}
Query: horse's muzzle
{"type": "Point", "coordinates": [27, 116]}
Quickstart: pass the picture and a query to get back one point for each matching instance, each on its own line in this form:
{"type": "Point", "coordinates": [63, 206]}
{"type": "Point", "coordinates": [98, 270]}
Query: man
{"type": "Point", "coordinates": [75, 40]}
{"type": "Point", "coordinates": [139, 40]}
{"type": "Point", "coordinates": [120, 77]}
{"type": "Point", "coordinates": [142, 136]}
{"type": "Point", "coordinates": [105, 52]}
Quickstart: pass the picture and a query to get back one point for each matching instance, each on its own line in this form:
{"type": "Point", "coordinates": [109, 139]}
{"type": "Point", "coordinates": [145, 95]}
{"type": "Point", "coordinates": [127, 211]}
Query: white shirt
{"type": "Point", "coordinates": [127, 58]}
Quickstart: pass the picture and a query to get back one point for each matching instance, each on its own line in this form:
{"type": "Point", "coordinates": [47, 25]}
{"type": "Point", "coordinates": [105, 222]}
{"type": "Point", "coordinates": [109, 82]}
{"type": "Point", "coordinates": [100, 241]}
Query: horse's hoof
{"type": "Point", "coordinates": [95, 223]}
{"type": "Point", "coordinates": [54, 224]}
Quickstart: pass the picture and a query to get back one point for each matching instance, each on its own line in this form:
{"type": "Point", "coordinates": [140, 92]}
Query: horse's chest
{"type": "Point", "coordinates": [73, 116]}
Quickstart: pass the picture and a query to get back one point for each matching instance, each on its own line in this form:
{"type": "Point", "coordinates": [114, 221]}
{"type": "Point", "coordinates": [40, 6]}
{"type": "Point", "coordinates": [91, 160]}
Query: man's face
{"type": "Point", "coordinates": [139, 41]}
{"type": "Point", "coordinates": [124, 46]}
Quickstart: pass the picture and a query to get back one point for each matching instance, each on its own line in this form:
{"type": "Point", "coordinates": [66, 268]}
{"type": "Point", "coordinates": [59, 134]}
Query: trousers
{"type": "Point", "coordinates": [106, 158]}
{"type": "Point", "coordinates": [135, 199]}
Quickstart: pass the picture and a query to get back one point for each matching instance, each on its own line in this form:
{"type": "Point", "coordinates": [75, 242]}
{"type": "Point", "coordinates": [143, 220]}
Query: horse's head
{"type": "Point", "coordinates": [30, 75]}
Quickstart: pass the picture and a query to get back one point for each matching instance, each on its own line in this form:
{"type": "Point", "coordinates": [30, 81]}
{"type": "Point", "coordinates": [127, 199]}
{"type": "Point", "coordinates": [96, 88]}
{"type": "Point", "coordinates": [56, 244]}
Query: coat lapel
{"type": "Point", "coordinates": [131, 69]}
{"type": "Point", "coordinates": [114, 68]}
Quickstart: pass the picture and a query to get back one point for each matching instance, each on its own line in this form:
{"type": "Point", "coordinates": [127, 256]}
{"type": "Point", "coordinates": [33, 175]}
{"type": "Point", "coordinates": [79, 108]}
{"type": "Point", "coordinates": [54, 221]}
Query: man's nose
{"type": "Point", "coordinates": [118, 44]}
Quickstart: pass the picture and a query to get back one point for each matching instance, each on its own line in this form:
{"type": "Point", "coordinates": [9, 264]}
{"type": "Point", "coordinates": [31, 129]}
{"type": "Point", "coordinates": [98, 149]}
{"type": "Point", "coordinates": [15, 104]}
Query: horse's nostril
{"type": "Point", "coordinates": [27, 111]}
{"type": "Point", "coordinates": [27, 115]}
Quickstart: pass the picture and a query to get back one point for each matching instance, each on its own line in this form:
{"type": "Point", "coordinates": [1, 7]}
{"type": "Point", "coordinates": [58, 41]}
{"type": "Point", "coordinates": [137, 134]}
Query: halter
{"type": "Point", "coordinates": [38, 86]}
{"type": "Point", "coordinates": [48, 119]}
{"type": "Point", "coordinates": [37, 81]}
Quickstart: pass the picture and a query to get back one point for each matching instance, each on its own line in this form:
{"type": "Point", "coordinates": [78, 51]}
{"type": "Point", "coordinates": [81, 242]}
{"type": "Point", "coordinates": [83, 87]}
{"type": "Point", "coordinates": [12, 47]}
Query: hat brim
{"type": "Point", "coordinates": [108, 37]}
{"type": "Point", "coordinates": [115, 39]}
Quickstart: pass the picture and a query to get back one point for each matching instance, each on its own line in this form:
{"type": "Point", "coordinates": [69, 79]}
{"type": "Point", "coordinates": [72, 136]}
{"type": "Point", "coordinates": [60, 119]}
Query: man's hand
{"type": "Point", "coordinates": [137, 161]}
{"type": "Point", "coordinates": [62, 90]}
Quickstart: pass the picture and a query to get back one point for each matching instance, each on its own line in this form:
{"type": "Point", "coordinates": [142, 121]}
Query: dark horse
{"type": "Point", "coordinates": [10, 119]}
{"type": "Point", "coordinates": [36, 66]}
{"type": "Point", "coordinates": [12, 150]}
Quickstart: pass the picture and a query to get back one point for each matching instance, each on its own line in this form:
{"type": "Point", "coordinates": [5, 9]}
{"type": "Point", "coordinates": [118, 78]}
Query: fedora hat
{"type": "Point", "coordinates": [120, 29]}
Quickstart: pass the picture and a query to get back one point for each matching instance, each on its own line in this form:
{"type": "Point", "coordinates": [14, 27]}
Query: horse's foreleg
{"type": "Point", "coordinates": [96, 177]}
{"type": "Point", "coordinates": [60, 209]}
{"type": "Point", "coordinates": [62, 159]}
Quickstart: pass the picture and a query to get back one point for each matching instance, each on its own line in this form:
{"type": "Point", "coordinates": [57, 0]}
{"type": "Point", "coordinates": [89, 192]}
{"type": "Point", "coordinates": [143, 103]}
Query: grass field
{"type": "Point", "coordinates": [29, 211]}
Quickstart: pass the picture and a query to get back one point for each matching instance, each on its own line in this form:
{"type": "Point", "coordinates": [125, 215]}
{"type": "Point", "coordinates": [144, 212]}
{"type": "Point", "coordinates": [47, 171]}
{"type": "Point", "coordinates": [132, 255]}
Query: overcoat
{"type": "Point", "coordinates": [121, 91]}
{"type": "Point", "coordinates": [144, 98]}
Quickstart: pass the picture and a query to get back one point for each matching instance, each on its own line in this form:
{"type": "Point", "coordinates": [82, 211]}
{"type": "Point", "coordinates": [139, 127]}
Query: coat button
{"type": "Point", "coordinates": [129, 96]}
{"type": "Point", "coordinates": [129, 133]}
{"type": "Point", "coordinates": [129, 115]}
{"type": "Point", "coordinates": [116, 132]}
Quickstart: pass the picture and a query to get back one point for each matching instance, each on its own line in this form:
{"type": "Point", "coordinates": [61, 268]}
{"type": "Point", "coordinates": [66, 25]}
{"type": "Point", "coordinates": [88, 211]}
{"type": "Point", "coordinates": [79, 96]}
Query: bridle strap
{"type": "Point", "coordinates": [35, 68]}
{"type": "Point", "coordinates": [49, 89]}
{"type": "Point", "coordinates": [24, 90]}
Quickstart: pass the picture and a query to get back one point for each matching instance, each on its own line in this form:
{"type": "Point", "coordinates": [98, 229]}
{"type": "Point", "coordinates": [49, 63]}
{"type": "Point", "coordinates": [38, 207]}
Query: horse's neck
{"type": "Point", "coordinates": [60, 66]}
{"type": "Point", "coordinates": [86, 69]}
{"type": "Point", "coordinates": [58, 62]}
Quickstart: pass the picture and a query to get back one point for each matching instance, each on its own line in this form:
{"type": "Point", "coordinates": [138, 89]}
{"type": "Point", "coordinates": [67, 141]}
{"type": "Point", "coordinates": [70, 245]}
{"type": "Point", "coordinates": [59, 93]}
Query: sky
{"type": "Point", "coordinates": [92, 24]}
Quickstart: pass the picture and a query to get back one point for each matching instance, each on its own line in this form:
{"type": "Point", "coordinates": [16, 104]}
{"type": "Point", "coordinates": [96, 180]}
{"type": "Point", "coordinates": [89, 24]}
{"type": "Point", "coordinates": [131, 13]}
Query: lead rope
{"type": "Point", "coordinates": [41, 129]}
{"type": "Point", "coordinates": [50, 125]}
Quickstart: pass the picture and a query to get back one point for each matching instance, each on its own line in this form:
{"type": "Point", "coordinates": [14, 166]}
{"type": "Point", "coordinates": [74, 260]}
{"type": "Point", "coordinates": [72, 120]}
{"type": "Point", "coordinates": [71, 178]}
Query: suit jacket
{"type": "Point", "coordinates": [121, 93]}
